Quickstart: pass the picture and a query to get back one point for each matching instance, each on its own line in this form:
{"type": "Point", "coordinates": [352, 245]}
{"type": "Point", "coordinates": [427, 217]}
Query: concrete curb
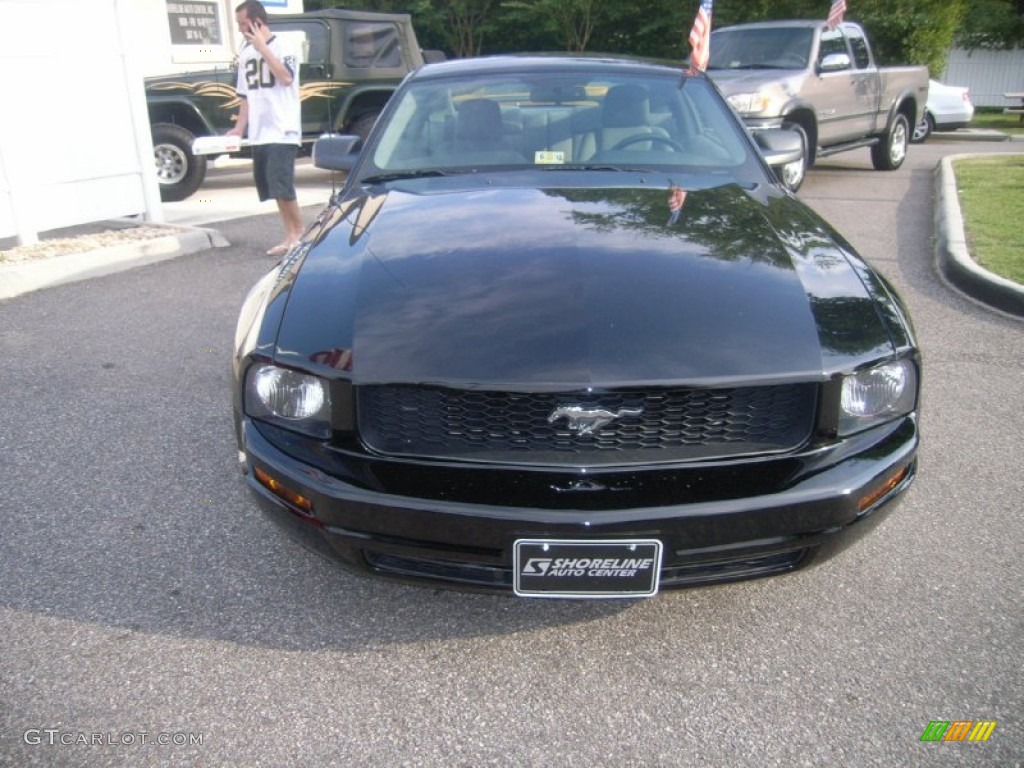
{"type": "Point", "coordinates": [970, 134]}
{"type": "Point", "coordinates": [953, 259]}
{"type": "Point", "coordinates": [24, 277]}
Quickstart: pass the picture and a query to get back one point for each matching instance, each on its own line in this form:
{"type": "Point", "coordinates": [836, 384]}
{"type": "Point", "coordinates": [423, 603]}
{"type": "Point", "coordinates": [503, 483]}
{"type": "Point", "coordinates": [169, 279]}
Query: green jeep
{"type": "Point", "coordinates": [352, 62]}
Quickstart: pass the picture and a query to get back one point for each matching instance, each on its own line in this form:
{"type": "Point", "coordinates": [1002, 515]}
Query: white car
{"type": "Point", "coordinates": [949, 107]}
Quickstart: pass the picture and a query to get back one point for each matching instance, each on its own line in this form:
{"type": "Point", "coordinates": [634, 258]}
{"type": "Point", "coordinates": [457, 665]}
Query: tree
{"type": "Point", "coordinates": [467, 21]}
{"type": "Point", "coordinates": [911, 31]}
{"type": "Point", "coordinates": [993, 24]}
{"type": "Point", "coordinates": [657, 28]}
{"type": "Point", "coordinates": [538, 25]}
{"type": "Point", "coordinates": [576, 19]}
{"type": "Point", "coordinates": [902, 31]}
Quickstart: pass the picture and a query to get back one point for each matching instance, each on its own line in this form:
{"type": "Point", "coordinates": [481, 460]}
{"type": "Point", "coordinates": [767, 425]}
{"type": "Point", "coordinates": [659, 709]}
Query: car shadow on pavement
{"type": "Point", "coordinates": [216, 570]}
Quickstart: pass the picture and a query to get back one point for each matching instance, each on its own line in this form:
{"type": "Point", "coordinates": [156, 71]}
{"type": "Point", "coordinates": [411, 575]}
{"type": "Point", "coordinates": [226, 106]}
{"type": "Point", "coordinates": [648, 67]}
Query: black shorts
{"type": "Point", "coordinates": [273, 169]}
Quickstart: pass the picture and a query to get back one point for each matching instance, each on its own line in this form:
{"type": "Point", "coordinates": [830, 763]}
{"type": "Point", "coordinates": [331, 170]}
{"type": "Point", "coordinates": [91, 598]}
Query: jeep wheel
{"type": "Point", "coordinates": [792, 175]}
{"type": "Point", "coordinates": [889, 153]}
{"type": "Point", "coordinates": [179, 171]}
{"type": "Point", "coordinates": [361, 125]}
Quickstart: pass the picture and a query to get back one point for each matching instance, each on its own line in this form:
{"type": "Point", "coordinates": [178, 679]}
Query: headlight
{"type": "Point", "coordinates": [289, 399]}
{"type": "Point", "coordinates": [877, 395]}
{"type": "Point", "coordinates": [749, 103]}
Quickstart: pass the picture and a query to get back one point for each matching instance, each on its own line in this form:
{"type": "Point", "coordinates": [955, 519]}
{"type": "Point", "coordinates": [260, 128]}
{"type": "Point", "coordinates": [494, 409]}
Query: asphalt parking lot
{"type": "Point", "coordinates": [153, 617]}
{"type": "Point", "coordinates": [228, 193]}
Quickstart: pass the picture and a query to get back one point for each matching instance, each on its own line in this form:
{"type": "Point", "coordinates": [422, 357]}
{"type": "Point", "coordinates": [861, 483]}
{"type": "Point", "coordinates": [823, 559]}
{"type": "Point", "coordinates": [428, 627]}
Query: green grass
{"type": "Point", "coordinates": [992, 201]}
{"type": "Point", "coordinates": [994, 119]}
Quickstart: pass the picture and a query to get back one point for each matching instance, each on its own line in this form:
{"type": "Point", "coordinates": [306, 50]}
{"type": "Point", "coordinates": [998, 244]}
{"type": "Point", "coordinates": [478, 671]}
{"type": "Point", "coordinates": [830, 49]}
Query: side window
{"type": "Point", "coordinates": [832, 41]}
{"type": "Point", "coordinates": [861, 56]}
{"type": "Point", "coordinates": [313, 37]}
{"type": "Point", "coordinates": [369, 44]}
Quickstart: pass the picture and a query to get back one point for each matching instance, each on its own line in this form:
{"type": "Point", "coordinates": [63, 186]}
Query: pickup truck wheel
{"type": "Point", "coordinates": [792, 175]}
{"type": "Point", "coordinates": [923, 129]}
{"type": "Point", "coordinates": [889, 153]}
{"type": "Point", "coordinates": [179, 171]}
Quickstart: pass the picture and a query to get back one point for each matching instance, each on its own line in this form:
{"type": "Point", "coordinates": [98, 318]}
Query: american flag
{"type": "Point", "coordinates": [700, 38]}
{"type": "Point", "coordinates": [835, 13]}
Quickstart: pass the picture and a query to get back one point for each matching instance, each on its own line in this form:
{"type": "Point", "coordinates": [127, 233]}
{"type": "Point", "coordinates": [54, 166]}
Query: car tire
{"type": "Point", "coordinates": [361, 125]}
{"type": "Point", "coordinates": [178, 171]}
{"type": "Point", "coordinates": [792, 175]}
{"type": "Point", "coordinates": [923, 129]}
{"type": "Point", "coordinates": [891, 150]}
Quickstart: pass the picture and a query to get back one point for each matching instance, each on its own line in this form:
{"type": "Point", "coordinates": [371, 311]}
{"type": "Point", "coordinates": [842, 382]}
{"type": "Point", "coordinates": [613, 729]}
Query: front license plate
{"type": "Point", "coordinates": [586, 568]}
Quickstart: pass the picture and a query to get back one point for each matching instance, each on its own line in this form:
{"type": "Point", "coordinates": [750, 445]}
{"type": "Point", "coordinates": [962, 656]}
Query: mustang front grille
{"type": "Point", "coordinates": [584, 428]}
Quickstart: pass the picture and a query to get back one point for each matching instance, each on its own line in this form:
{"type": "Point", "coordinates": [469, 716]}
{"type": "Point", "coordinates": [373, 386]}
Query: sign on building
{"type": "Point", "coordinates": [194, 23]}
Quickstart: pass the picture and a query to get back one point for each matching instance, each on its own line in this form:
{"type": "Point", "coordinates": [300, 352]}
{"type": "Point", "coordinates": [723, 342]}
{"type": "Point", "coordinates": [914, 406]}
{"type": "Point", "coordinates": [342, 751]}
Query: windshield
{"type": "Point", "coordinates": [764, 48]}
{"type": "Point", "coordinates": [567, 119]}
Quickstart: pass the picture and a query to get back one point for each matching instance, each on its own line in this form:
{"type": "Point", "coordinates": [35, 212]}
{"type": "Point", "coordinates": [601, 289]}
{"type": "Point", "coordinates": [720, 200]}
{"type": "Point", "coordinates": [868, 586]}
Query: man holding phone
{"type": "Point", "coordinates": [268, 86]}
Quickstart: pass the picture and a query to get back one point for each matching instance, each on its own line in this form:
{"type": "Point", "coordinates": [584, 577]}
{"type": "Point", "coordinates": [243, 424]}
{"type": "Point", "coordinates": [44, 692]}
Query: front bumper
{"type": "Point", "coordinates": [831, 500]}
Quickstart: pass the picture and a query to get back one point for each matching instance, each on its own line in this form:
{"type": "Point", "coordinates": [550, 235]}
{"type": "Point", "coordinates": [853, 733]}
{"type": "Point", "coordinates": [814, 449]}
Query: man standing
{"type": "Point", "coordinates": [268, 86]}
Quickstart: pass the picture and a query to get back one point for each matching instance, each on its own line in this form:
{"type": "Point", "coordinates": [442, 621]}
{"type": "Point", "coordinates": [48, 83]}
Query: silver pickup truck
{"type": "Point", "coordinates": [821, 83]}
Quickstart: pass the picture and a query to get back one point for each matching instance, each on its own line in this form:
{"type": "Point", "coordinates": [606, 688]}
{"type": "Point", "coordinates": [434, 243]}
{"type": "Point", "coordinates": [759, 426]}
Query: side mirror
{"type": "Point", "coordinates": [779, 146]}
{"type": "Point", "coordinates": [336, 153]}
{"type": "Point", "coordinates": [835, 62]}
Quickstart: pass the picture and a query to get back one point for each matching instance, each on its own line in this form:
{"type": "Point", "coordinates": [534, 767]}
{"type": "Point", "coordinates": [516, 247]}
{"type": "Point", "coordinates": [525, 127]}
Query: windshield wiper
{"type": "Point", "coordinates": [749, 66]}
{"type": "Point", "coordinates": [595, 167]}
{"type": "Point", "coordinates": [421, 173]}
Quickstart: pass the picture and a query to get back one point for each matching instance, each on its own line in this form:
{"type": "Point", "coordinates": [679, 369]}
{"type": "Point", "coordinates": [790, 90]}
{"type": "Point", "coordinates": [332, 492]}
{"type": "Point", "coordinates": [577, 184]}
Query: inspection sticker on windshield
{"type": "Point", "coordinates": [542, 157]}
{"type": "Point", "coordinates": [586, 568]}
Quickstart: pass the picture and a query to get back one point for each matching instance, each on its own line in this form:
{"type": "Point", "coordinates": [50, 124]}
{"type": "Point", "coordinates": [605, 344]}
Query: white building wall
{"type": "Point", "coordinates": [75, 145]}
{"type": "Point", "coordinates": [74, 139]}
{"type": "Point", "coordinates": [989, 74]}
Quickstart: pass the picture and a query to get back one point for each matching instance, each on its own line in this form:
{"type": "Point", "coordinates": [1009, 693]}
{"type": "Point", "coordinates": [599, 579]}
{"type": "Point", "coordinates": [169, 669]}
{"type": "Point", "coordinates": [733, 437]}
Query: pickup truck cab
{"type": "Point", "coordinates": [351, 63]}
{"type": "Point", "coordinates": [821, 83]}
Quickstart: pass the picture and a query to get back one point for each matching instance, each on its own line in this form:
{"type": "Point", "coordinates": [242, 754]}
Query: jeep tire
{"type": "Point", "coordinates": [179, 171]}
{"type": "Point", "coordinates": [361, 125]}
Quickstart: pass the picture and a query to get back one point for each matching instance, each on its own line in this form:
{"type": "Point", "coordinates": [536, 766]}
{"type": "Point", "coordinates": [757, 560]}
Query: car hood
{"type": "Point", "coordinates": [730, 81]}
{"type": "Point", "coordinates": [567, 288]}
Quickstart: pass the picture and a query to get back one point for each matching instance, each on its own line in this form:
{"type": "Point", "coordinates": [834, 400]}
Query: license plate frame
{"type": "Point", "coordinates": [586, 568]}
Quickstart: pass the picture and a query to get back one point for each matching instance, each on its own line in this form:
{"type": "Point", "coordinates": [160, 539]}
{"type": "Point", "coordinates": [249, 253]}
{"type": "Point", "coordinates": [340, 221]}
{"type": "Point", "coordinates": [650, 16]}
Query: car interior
{"type": "Point", "coordinates": [552, 123]}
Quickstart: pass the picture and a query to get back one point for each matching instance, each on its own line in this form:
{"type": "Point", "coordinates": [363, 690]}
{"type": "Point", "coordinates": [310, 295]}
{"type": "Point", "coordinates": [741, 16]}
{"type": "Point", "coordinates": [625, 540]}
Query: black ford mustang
{"type": "Point", "coordinates": [563, 334]}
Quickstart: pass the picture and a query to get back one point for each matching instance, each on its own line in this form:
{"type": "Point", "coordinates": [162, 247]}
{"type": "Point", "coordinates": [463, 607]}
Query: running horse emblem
{"type": "Point", "coordinates": [586, 421]}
